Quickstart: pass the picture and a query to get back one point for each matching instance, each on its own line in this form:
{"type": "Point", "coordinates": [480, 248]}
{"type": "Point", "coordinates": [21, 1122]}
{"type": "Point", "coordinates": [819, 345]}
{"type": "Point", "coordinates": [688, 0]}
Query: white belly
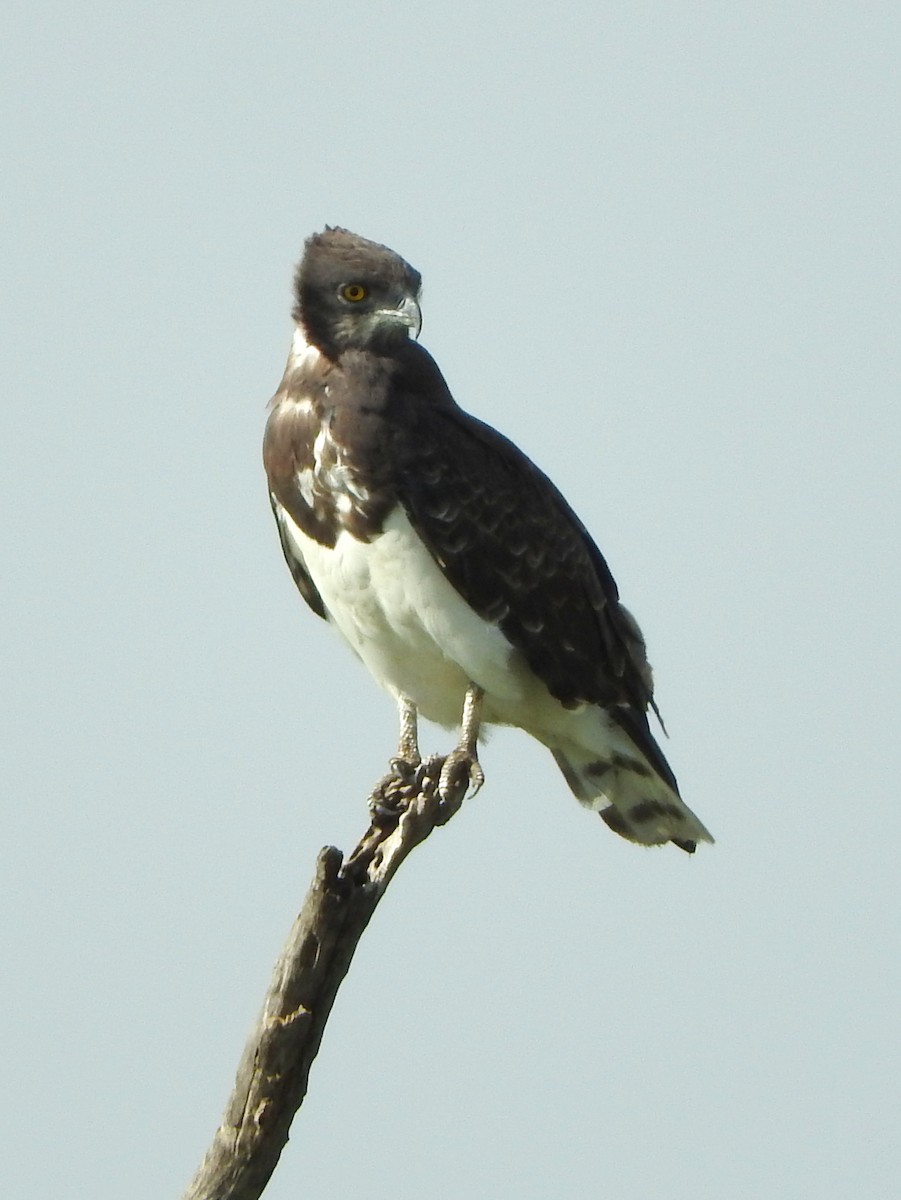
{"type": "Point", "coordinates": [410, 627]}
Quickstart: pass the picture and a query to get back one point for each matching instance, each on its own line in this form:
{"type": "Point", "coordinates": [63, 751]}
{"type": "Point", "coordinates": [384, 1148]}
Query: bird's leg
{"type": "Point", "coordinates": [463, 762]}
{"type": "Point", "coordinates": [408, 742]}
{"type": "Point", "coordinates": [391, 793]}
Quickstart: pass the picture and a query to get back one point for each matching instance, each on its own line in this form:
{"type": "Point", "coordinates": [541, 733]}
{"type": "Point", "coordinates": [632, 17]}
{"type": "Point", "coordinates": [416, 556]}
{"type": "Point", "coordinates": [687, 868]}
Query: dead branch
{"type": "Point", "coordinates": [272, 1075]}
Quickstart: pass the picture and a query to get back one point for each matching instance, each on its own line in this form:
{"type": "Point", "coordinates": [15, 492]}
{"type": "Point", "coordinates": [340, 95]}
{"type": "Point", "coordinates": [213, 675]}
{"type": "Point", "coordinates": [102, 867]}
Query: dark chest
{"type": "Point", "coordinates": [334, 449]}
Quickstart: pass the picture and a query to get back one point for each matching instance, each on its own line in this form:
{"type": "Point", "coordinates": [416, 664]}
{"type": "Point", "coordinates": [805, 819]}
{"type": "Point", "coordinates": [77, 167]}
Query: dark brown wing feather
{"type": "Point", "coordinates": [301, 576]}
{"type": "Point", "coordinates": [511, 545]}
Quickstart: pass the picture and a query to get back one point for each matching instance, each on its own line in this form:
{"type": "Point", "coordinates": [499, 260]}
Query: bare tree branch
{"type": "Point", "coordinates": [272, 1075]}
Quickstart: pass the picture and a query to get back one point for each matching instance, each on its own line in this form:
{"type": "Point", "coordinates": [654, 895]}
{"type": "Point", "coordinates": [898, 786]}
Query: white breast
{"type": "Point", "coordinates": [410, 627]}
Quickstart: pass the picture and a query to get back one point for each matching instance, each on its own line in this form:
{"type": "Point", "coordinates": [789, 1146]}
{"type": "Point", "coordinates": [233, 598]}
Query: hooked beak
{"type": "Point", "coordinates": [407, 313]}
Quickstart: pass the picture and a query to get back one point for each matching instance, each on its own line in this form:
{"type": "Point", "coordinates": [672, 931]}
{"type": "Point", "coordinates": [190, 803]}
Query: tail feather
{"type": "Point", "coordinates": [617, 781]}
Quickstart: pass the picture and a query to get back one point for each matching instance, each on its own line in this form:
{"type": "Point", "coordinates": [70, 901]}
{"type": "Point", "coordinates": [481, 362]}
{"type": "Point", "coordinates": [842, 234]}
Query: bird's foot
{"type": "Point", "coordinates": [460, 772]}
{"type": "Point", "coordinates": [391, 795]}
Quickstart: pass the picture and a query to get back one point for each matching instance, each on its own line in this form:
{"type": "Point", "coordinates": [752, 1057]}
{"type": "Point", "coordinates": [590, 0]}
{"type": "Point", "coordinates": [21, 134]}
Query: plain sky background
{"type": "Point", "coordinates": [660, 244]}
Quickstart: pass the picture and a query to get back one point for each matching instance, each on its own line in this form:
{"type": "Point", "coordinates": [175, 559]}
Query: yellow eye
{"type": "Point", "coordinates": [354, 292]}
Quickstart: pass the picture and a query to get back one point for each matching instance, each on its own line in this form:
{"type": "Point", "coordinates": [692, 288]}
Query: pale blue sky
{"type": "Point", "coordinates": [660, 244]}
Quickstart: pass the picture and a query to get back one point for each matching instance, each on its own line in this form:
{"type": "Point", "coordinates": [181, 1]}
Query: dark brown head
{"type": "Point", "coordinates": [355, 294]}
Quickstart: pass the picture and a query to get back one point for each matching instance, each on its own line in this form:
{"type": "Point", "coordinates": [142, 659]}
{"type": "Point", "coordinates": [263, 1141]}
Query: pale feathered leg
{"type": "Point", "coordinates": [463, 762]}
{"type": "Point", "coordinates": [408, 742]}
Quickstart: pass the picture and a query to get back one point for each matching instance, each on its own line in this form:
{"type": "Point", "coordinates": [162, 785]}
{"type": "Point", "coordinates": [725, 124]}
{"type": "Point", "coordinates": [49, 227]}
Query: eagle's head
{"type": "Point", "coordinates": [353, 294]}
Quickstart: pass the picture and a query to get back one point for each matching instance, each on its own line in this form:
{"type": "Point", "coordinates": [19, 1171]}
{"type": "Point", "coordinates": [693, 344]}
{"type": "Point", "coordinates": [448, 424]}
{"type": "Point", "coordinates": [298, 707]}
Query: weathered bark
{"type": "Point", "coordinates": [272, 1075]}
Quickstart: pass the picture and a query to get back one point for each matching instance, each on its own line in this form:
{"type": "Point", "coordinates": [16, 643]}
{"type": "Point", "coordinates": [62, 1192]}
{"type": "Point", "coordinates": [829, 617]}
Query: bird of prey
{"type": "Point", "coordinates": [448, 561]}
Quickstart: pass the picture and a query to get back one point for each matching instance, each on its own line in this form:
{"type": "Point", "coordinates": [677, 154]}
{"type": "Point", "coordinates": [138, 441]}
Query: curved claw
{"type": "Point", "coordinates": [460, 766]}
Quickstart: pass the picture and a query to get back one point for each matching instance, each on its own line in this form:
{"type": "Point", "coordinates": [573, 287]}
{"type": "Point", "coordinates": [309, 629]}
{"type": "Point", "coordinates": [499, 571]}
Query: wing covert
{"type": "Point", "coordinates": [513, 548]}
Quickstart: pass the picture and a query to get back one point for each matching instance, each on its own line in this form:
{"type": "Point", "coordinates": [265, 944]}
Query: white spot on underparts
{"type": "Point", "coordinates": [343, 479]}
{"type": "Point", "coordinates": [332, 470]}
{"type": "Point", "coordinates": [319, 448]}
{"type": "Point", "coordinates": [305, 485]}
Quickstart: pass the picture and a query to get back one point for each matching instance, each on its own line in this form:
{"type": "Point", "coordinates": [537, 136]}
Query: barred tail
{"type": "Point", "coordinates": [632, 798]}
